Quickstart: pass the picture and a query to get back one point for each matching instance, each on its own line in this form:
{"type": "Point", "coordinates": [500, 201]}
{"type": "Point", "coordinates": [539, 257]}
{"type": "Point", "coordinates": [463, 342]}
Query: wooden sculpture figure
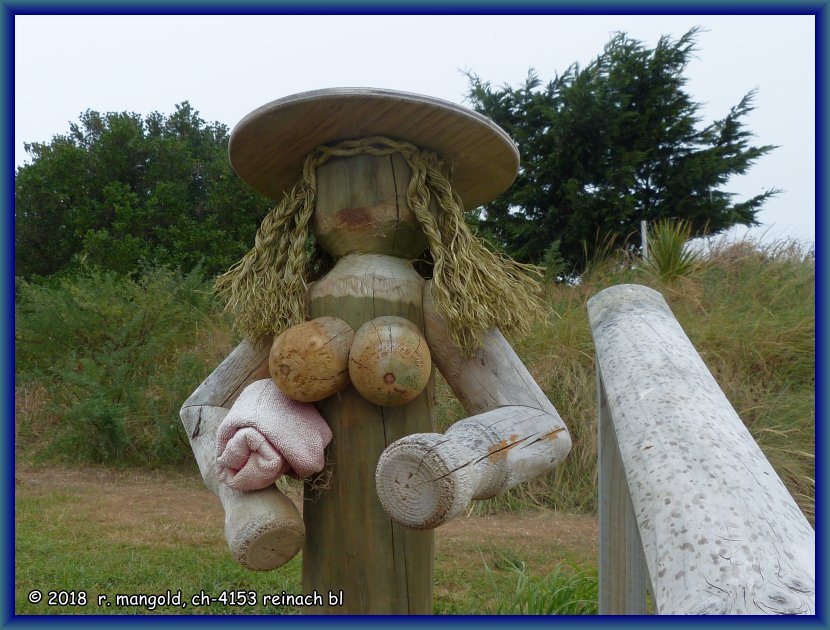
{"type": "Point", "coordinates": [372, 184]}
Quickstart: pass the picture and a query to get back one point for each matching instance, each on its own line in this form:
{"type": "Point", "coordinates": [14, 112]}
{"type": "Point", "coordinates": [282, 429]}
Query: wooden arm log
{"type": "Point", "coordinates": [264, 530]}
{"type": "Point", "coordinates": [513, 434]}
{"type": "Point", "coordinates": [424, 480]}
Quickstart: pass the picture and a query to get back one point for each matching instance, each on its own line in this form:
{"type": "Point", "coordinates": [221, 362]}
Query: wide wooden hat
{"type": "Point", "coordinates": [268, 146]}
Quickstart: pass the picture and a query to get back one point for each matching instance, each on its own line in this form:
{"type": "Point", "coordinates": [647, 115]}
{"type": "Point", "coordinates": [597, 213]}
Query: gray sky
{"type": "Point", "coordinates": [227, 66]}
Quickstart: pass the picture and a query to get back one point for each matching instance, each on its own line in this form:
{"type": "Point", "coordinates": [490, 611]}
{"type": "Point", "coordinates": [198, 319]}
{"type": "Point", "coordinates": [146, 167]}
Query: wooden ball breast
{"type": "Point", "coordinates": [310, 361]}
{"type": "Point", "coordinates": [390, 362]}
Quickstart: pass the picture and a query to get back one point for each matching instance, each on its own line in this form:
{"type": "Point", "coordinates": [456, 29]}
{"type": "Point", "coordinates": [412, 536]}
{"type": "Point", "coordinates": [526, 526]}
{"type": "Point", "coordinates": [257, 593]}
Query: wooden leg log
{"type": "Point", "coordinates": [426, 479]}
{"type": "Point", "coordinates": [264, 530]}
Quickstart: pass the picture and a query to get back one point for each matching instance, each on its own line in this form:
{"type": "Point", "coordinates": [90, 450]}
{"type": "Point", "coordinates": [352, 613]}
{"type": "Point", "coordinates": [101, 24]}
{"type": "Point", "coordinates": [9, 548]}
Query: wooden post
{"type": "Point", "coordinates": [644, 239]}
{"type": "Point", "coordinates": [720, 532]}
{"type": "Point", "coordinates": [622, 566]}
{"type": "Point", "coordinates": [362, 218]}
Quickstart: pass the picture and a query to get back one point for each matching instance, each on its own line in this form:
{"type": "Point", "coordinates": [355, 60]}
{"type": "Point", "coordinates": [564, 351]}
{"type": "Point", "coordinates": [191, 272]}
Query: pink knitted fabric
{"type": "Point", "coordinates": [265, 435]}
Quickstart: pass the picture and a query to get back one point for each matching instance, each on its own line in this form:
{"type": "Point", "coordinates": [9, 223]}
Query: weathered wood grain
{"type": "Point", "coordinates": [622, 568]}
{"type": "Point", "coordinates": [493, 377]}
{"type": "Point", "coordinates": [720, 533]}
{"type": "Point", "coordinates": [268, 146]}
{"type": "Point", "coordinates": [389, 362]}
{"type": "Point", "coordinates": [362, 208]}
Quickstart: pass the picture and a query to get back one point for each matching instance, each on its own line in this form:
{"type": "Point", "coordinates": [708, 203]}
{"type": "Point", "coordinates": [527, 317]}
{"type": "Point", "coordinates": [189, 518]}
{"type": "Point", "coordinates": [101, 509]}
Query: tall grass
{"type": "Point", "coordinates": [749, 309]}
{"type": "Point", "coordinates": [563, 591]}
{"type": "Point", "coordinates": [751, 314]}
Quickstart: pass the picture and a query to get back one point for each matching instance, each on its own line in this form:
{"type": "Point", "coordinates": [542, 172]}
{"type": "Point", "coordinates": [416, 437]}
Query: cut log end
{"type": "Point", "coordinates": [390, 362]}
{"type": "Point", "coordinates": [263, 528]}
{"type": "Point", "coordinates": [267, 544]}
{"type": "Point", "coordinates": [423, 480]}
{"type": "Point", "coordinates": [310, 361]}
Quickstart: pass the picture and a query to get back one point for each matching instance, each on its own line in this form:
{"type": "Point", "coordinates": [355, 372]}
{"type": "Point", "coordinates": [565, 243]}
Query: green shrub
{"type": "Point", "coordinates": [115, 356]}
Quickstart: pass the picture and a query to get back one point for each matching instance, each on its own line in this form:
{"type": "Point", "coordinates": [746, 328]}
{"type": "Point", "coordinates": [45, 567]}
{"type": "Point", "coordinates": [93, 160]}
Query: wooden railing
{"type": "Point", "coordinates": [689, 507]}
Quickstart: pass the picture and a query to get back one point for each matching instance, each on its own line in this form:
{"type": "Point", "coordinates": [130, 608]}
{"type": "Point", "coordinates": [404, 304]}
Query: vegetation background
{"type": "Point", "coordinates": [104, 361]}
{"type": "Point", "coordinates": [602, 148]}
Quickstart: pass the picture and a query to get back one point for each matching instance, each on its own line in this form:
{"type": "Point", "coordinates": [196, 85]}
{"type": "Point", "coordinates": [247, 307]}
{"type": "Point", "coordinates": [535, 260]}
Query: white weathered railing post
{"type": "Point", "coordinates": [719, 532]}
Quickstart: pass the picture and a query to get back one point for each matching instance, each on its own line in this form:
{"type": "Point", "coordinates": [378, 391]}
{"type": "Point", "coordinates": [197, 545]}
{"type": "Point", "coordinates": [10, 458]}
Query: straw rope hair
{"type": "Point", "coordinates": [475, 289]}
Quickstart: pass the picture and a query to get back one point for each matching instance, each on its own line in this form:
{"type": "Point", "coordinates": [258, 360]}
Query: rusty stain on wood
{"type": "Point", "coordinates": [552, 435]}
{"type": "Point", "coordinates": [355, 218]}
{"type": "Point", "coordinates": [499, 450]}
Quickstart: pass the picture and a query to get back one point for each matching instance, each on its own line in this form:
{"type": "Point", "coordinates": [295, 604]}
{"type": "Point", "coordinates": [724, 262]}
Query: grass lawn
{"type": "Point", "coordinates": [100, 532]}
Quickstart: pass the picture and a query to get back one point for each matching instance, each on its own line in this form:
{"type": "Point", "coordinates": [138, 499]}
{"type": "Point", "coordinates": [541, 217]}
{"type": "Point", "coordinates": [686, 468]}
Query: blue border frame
{"type": "Point", "coordinates": [431, 7]}
{"type": "Point", "coordinates": [7, 319]}
{"type": "Point", "coordinates": [10, 8]}
{"type": "Point", "coordinates": [822, 381]}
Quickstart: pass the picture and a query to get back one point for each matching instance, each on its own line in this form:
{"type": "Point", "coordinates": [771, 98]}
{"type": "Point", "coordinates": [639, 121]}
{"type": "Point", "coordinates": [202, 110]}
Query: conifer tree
{"type": "Point", "coordinates": [608, 145]}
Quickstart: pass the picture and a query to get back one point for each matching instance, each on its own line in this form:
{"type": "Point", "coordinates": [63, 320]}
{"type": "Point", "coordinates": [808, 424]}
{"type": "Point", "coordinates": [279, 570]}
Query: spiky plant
{"type": "Point", "coordinates": [669, 254]}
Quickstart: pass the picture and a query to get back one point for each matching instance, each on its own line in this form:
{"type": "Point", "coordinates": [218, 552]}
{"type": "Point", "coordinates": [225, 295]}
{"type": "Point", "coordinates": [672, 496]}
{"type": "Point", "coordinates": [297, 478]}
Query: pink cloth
{"type": "Point", "coordinates": [265, 435]}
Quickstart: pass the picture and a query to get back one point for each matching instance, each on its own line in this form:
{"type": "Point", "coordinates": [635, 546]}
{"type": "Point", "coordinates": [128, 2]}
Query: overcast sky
{"type": "Point", "coordinates": [227, 66]}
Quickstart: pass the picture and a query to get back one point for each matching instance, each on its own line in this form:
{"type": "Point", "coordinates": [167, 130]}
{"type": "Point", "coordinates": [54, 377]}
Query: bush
{"type": "Point", "coordinates": [117, 358]}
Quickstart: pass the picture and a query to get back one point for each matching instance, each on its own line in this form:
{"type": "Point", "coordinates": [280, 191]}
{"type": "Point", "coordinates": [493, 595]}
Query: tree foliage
{"type": "Point", "coordinates": [119, 189]}
{"type": "Point", "coordinates": [608, 145]}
